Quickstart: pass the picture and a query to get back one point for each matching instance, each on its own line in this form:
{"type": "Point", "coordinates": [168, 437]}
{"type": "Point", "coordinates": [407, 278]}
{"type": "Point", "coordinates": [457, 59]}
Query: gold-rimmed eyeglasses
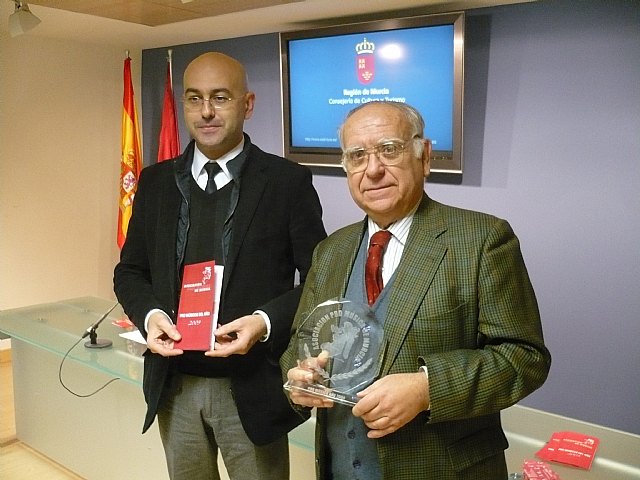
{"type": "Point", "coordinates": [388, 153]}
{"type": "Point", "coordinates": [218, 102]}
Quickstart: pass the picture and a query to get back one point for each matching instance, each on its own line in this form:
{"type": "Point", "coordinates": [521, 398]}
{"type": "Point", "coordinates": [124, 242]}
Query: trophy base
{"type": "Point", "coordinates": [324, 392]}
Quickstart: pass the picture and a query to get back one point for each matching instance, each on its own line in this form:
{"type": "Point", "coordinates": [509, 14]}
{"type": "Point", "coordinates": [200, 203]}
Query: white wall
{"type": "Point", "coordinates": [60, 109]}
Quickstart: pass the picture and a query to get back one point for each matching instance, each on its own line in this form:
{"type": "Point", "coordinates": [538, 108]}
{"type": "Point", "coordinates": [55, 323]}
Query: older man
{"type": "Point", "coordinates": [462, 331]}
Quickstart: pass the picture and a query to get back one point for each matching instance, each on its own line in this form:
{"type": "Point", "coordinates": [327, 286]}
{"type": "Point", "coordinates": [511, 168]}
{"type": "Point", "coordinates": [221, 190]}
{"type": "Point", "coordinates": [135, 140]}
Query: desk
{"type": "Point", "coordinates": [98, 437]}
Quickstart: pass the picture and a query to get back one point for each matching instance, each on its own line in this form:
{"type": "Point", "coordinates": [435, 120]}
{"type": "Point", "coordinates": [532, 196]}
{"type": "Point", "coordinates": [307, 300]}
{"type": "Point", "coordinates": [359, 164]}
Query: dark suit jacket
{"type": "Point", "coordinates": [276, 225]}
{"type": "Point", "coordinates": [461, 304]}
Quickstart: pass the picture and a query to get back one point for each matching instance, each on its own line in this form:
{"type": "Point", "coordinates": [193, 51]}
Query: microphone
{"type": "Point", "coordinates": [94, 341]}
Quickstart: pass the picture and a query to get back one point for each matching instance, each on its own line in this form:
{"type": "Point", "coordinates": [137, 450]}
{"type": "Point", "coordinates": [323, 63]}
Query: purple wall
{"type": "Point", "coordinates": [552, 144]}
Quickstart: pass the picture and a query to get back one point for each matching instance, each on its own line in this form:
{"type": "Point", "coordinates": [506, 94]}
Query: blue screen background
{"type": "Point", "coordinates": [321, 69]}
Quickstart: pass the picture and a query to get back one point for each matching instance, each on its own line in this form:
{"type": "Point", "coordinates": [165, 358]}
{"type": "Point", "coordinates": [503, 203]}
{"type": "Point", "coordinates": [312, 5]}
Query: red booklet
{"type": "Point", "coordinates": [571, 448]}
{"type": "Point", "coordinates": [198, 309]}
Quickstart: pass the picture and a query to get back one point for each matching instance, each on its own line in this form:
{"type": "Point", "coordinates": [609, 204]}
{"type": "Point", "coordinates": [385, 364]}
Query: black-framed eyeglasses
{"type": "Point", "coordinates": [388, 153]}
{"type": "Point", "coordinates": [218, 102]}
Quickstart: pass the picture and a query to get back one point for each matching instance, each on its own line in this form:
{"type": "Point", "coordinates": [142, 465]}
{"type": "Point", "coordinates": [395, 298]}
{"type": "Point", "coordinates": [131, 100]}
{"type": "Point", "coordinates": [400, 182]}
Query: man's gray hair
{"type": "Point", "coordinates": [416, 122]}
{"type": "Point", "coordinates": [412, 115]}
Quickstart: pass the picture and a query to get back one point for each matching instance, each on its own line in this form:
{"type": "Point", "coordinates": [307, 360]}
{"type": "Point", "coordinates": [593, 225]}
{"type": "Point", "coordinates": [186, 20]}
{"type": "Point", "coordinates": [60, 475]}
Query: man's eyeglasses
{"type": "Point", "coordinates": [218, 102]}
{"type": "Point", "coordinates": [388, 153]}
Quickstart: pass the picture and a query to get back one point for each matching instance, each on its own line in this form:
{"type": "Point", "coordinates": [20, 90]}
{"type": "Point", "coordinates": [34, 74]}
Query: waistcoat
{"type": "Point", "coordinates": [354, 456]}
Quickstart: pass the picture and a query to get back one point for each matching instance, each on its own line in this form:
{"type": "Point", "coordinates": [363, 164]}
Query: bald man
{"type": "Point", "coordinates": [258, 216]}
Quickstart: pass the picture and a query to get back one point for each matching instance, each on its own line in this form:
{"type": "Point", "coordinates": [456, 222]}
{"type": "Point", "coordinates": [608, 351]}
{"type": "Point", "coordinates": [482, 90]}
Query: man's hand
{"type": "Point", "coordinates": [237, 337]}
{"type": "Point", "coordinates": [162, 335]}
{"type": "Point", "coordinates": [392, 402]}
{"type": "Point", "coordinates": [306, 373]}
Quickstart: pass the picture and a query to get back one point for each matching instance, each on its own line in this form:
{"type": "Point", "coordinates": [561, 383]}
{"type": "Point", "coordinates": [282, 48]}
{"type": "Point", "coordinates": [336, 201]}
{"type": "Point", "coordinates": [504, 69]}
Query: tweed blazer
{"type": "Point", "coordinates": [276, 225]}
{"type": "Point", "coordinates": [463, 305]}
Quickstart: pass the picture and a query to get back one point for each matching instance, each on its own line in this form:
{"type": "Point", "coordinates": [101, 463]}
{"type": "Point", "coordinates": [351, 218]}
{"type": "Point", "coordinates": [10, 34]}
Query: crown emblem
{"type": "Point", "coordinates": [365, 47]}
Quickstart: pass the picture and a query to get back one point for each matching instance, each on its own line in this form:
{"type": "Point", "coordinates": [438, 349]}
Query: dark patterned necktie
{"type": "Point", "coordinates": [212, 169]}
{"type": "Point", "coordinates": [373, 267]}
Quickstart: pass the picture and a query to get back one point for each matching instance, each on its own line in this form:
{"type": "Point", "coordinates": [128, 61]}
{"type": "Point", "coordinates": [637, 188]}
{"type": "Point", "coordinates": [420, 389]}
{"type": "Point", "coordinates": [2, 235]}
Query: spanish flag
{"type": "Point", "coordinates": [131, 160]}
{"type": "Point", "coordinates": [169, 141]}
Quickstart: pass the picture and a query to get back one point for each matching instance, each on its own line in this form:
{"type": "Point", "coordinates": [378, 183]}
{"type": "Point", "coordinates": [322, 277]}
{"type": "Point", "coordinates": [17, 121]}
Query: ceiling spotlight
{"type": "Point", "coordinates": [22, 20]}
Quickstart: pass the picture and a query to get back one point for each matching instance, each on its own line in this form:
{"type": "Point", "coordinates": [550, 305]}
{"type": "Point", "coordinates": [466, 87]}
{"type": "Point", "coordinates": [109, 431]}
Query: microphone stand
{"type": "Point", "coordinates": [94, 341]}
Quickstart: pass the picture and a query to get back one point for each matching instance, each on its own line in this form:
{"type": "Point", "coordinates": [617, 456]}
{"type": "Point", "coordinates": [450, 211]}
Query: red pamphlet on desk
{"type": "Point", "coordinates": [571, 448]}
{"type": "Point", "coordinates": [198, 308]}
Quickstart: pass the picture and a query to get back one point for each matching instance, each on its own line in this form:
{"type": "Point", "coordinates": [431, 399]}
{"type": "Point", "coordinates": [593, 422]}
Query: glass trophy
{"type": "Point", "coordinates": [347, 337]}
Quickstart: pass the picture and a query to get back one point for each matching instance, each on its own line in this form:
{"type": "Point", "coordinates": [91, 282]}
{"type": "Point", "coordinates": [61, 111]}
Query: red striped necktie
{"type": "Point", "coordinates": [373, 267]}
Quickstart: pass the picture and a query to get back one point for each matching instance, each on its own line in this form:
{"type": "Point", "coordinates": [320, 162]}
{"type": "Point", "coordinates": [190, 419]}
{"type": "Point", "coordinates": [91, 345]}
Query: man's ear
{"type": "Point", "coordinates": [426, 157]}
{"type": "Point", "coordinates": [249, 102]}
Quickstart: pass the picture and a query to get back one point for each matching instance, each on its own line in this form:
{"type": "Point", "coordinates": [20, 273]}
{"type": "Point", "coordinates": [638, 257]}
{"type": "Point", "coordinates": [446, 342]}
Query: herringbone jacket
{"type": "Point", "coordinates": [463, 305]}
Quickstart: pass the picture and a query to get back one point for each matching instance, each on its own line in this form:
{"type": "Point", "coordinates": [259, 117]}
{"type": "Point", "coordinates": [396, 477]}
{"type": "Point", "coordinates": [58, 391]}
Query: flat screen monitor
{"type": "Point", "coordinates": [326, 72]}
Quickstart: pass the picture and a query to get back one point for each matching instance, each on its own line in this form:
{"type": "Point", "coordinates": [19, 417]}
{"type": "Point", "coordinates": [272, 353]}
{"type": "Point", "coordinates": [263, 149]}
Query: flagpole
{"type": "Point", "coordinates": [170, 68]}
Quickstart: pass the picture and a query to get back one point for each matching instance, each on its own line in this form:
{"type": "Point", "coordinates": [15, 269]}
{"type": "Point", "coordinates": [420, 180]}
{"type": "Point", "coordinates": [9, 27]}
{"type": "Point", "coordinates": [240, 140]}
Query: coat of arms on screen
{"type": "Point", "coordinates": [365, 61]}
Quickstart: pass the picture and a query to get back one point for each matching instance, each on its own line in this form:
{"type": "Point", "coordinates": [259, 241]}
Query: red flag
{"type": "Point", "coordinates": [169, 142]}
{"type": "Point", "coordinates": [131, 159]}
